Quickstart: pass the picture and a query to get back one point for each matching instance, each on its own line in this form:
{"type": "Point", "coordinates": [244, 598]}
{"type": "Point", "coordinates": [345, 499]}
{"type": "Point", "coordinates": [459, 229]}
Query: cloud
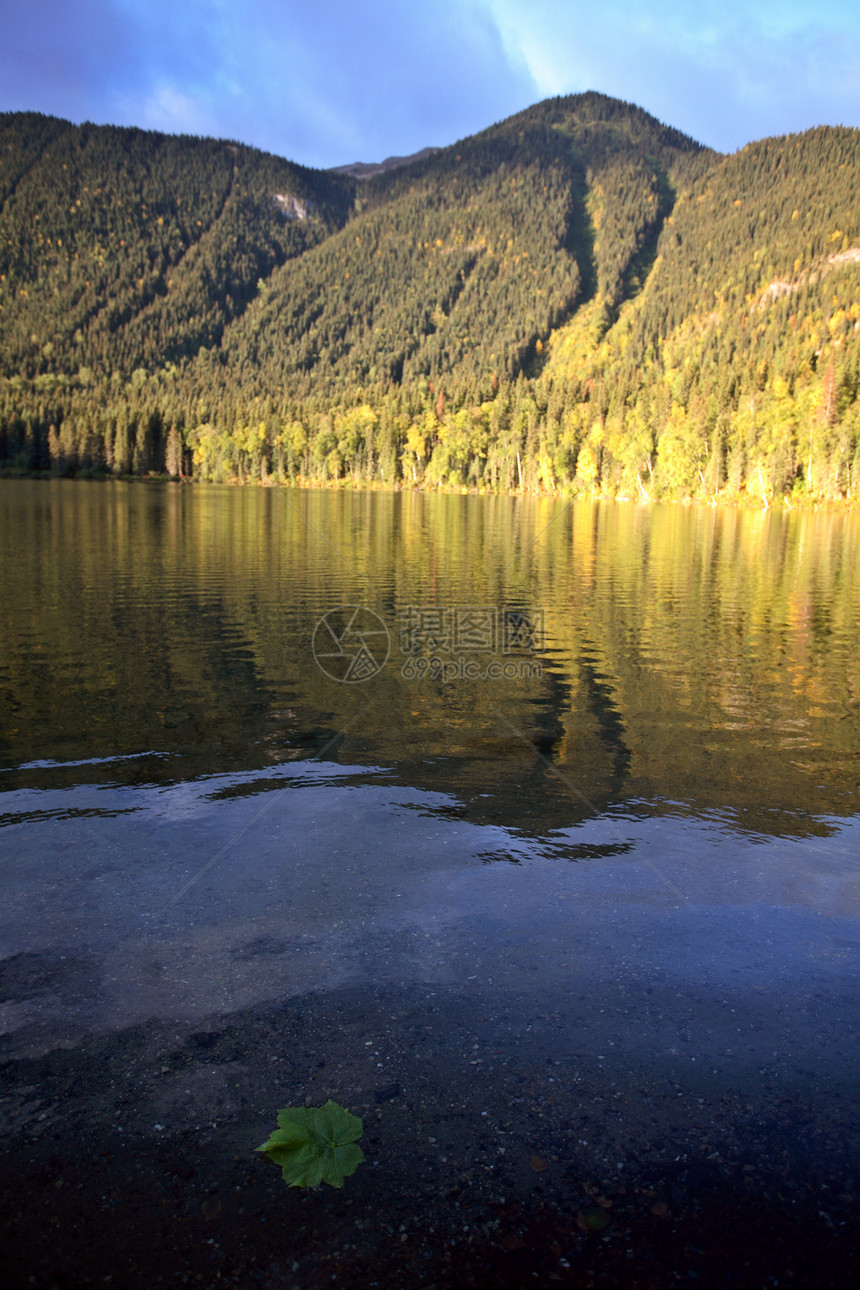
{"type": "Point", "coordinates": [102, 60]}
{"type": "Point", "coordinates": [339, 82]}
{"type": "Point", "coordinates": [724, 73]}
{"type": "Point", "coordinates": [324, 84]}
{"type": "Point", "coordinates": [173, 111]}
{"type": "Point", "coordinates": [344, 80]}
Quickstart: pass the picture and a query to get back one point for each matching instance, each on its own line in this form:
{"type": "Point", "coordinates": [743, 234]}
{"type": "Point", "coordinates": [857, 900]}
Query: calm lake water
{"type": "Point", "coordinates": [528, 830]}
{"type": "Point", "coordinates": [593, 741]}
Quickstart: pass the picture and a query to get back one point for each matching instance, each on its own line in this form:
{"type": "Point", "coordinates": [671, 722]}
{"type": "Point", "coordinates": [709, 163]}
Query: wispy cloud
{"type": "Point", "coordinates": [337, 82]}
{"type": "Point", "coordinates": [724, 73]}
{"type": "Point", "coordinates": [174, 111]}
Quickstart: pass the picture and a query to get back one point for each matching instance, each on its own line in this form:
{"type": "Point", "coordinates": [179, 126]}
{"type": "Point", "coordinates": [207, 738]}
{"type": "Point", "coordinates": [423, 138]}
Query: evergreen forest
{"type": "Point", "coordinates": [576, 301]}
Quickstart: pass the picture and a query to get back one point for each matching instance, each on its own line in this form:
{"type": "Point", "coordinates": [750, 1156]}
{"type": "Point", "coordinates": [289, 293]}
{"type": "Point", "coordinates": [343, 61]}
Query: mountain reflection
{"type": "Point", "coordinates": [690, 660]}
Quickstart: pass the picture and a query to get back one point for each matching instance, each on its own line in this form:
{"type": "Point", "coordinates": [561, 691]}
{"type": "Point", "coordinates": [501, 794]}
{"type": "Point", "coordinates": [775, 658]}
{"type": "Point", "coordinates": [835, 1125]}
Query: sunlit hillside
{"type": "Point", "coordinates": [578, 300]}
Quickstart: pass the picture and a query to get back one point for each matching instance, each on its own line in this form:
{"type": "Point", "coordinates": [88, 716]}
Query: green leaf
{"type": "Point", "coordinates": [315, 1144]}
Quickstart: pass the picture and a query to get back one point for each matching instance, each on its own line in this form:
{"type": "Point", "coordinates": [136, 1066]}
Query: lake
{"type": "Point", "coordinates": [527, 829]}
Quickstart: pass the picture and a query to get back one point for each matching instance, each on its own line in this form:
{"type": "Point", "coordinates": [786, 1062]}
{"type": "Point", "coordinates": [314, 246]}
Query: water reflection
{"type": "Point", "coordinates": [697, 657]}
{"type": "Point", "coordinates": [232, 889]}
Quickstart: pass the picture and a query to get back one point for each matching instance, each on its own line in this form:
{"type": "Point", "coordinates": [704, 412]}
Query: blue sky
{"type": "Point", "coordinates": [325, 82]}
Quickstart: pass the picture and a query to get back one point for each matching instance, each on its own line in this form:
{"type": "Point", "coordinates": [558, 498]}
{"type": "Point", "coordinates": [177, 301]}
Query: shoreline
{"type": "Point", "coordinates": [782, 504]}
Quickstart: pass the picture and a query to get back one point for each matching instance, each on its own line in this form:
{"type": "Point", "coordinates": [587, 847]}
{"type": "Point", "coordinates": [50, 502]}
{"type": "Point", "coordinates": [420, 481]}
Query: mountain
{"type": "Point", "coordinates": [576, 300]}
{"type": "Point", "coordinates": [367, 169]}
{"type": "Point", "coordinates": [124, 249]}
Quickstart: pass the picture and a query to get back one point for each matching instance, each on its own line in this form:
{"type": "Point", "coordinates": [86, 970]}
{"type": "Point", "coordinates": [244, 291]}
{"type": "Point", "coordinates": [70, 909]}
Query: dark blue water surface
{"type": "Point", "coordinates": [594, 743]}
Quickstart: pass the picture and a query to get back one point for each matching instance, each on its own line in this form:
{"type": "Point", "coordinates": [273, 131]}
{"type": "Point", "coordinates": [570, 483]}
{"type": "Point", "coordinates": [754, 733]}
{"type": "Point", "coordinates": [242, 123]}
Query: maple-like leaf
{"type": "Point", "coordinates": [316, 1144]}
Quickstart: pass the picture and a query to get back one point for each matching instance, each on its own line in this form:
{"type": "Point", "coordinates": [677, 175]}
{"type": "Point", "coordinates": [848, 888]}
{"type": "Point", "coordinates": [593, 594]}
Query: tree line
{"type": "Point", "coordinates": [578, 300]}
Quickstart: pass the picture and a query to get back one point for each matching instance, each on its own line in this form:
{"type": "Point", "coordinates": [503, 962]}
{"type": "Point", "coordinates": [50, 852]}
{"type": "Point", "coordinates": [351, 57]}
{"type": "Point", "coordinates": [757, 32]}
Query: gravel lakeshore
{"type": "Point", "coordinates": [508, 1143]}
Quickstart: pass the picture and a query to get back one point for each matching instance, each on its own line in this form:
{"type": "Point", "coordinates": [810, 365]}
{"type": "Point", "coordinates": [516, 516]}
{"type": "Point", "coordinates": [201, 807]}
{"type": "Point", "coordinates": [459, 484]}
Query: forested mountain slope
{"type": "Point", "coordinates": [739, 363]}
{"type": "Point", "coordinates": [122, 249]}
{"type": "Point", "coordinates": [578, 299]}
